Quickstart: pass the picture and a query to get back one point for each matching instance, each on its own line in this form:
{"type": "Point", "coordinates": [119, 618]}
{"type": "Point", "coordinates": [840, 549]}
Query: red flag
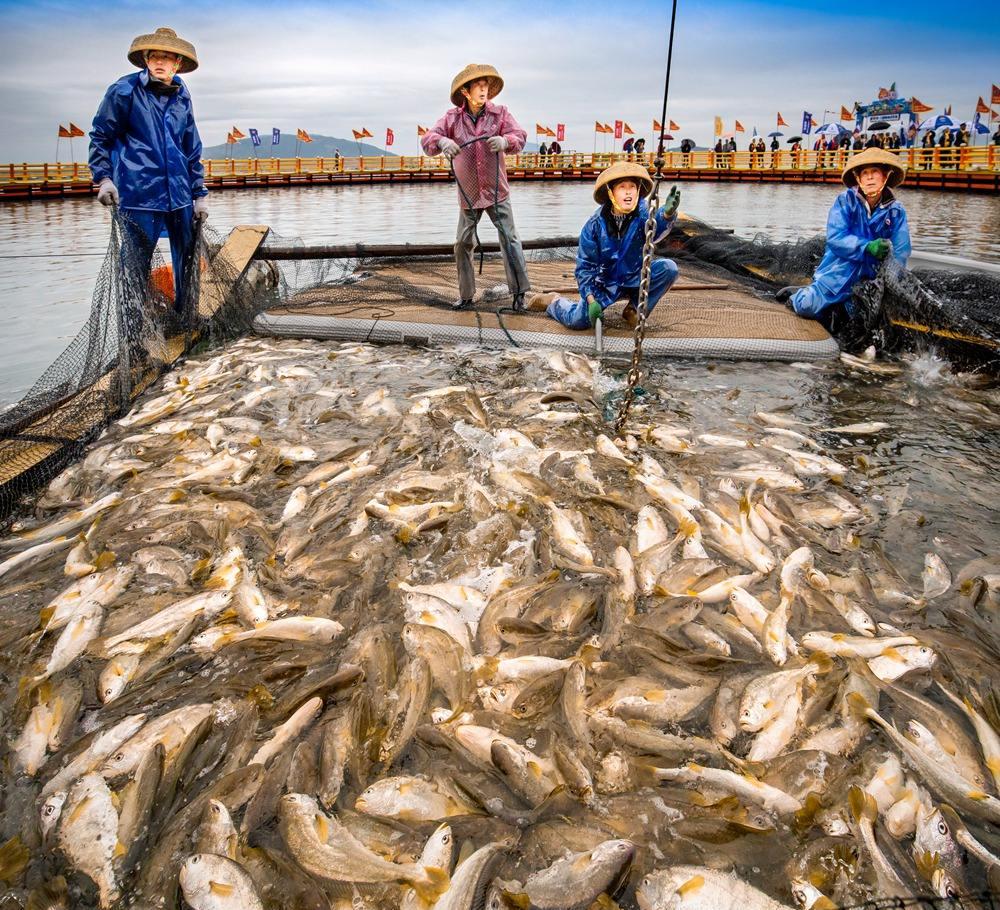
{"type": "Point", "coordinates": [674, 126]}
{"type": "Point", "coordinates": [845, 114]}
{"type": "Point", "coordinates": [981, 106]}
{"type": "Point", "coordinates": [237, 135]}
{"type": "Point", "coordinates": [389, 137]}
{"type": "Point", "coordinates": [627, 130]}
{"type": "Point", "coordinates": [918, 107]}
{"type": "Point", "coordinates": [618, 129]}
{"type": "Point", "coordinates": [561, 132]}
{"type": "Point", "coordinates": [995, 97]}
{"type": "Point", "coordinates": [421, 130]}
{"type": "Point", "coordinates": [74, 130]}
{"type": "Point", "coordinates": [739, 127]}
{"type": "Point", "coordinates": [781, 120]}
{"type": "Point", "coordinates": [64, 133]}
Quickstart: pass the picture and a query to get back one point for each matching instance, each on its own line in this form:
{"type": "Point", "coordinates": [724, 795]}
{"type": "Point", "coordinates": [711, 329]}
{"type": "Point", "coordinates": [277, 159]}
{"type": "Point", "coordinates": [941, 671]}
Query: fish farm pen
{"type": "Point", "coordinates": [320, 594]}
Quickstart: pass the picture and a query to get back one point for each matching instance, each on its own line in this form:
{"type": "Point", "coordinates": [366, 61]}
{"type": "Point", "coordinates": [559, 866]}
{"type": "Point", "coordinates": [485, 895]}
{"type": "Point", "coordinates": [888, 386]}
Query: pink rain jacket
{"type": "Point", "coordinates": [476, 166]}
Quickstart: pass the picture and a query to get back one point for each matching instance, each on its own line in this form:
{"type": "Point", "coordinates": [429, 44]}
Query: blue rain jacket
{"type": "Point", "coordinates": [604, 263]}
{"type": "Point", "coordinates": [849, 229]}
{"type": "Point", "coordinates": [148, 145]}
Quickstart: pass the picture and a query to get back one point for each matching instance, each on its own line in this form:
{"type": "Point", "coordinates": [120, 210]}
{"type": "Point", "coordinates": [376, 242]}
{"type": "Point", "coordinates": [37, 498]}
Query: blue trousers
{"type": "Point", "coordinates": [144, 229]}
{"type": "Point", "coordinates": [573, 313]}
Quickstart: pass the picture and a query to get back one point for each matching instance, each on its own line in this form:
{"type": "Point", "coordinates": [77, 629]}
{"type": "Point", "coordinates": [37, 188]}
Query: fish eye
{"type": "Point", "coordinates": [119, 757]}
{"type": "Point", "coordinates": [950, 892]}
{"type": "Point", "coordinates": [48, 810]}
{"type": "Point", "coordinates": [195, 859]}
{"type": "Point", "coordinates": [942, 827]}
{"type": "Point", "coordinates": [446, 839]}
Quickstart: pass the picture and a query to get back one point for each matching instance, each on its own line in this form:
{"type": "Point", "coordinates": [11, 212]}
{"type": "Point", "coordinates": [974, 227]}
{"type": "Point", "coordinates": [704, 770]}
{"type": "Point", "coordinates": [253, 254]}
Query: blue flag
{"type": "Point", "coordinates": [807, 123]}
{"type": "Point", "coordinates": [255, 137]}
{"type": "Point", "coordinates": [275, 136]}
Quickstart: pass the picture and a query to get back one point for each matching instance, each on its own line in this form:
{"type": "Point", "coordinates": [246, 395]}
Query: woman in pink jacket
{"type": "Point", "coordinates": [474, 135]}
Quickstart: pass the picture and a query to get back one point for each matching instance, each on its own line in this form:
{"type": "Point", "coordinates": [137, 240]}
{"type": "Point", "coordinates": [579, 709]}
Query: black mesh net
{"type": "Point", "coordinates": [138, 325]}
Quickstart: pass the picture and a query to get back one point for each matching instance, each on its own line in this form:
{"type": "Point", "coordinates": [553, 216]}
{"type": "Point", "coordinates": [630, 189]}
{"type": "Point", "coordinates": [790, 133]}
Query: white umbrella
{"type": "Point", "coordinates": [829, 129]}
{"type": "Point", "coordinates": [935, 123]}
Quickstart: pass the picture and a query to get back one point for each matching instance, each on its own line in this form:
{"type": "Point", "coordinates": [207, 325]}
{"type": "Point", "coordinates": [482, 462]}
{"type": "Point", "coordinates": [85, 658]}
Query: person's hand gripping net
{"type": "Point", "coordinates": [879, 248]}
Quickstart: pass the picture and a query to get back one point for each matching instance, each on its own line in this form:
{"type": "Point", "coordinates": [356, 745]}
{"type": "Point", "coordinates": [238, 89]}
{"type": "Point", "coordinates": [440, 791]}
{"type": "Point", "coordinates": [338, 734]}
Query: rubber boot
{"type": "Point", "coordinates": [518, 306]}
{"type": "Point", "coordinates": [630, 316]}
{"type": "Point", "coordinates": [464, 304]}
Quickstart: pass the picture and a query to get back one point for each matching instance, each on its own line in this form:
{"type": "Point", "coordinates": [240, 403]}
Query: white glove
{"type": "Point", "coordinates": [497, 144]}
{"type": "Point", "coordinates": [201, 208]}
{"type": "Point", "coordinates": [449, 147]}
{"type": "Point", "coordinates": [107, 192]}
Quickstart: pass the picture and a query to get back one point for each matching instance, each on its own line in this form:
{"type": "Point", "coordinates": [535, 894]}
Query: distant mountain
{"type": "Point", "coordinates": [320, 147]}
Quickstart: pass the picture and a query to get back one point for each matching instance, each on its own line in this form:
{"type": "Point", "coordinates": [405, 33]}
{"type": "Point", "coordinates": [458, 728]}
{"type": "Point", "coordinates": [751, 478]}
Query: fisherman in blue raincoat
{"type": "Point", "coordinates": [866, 224]}
{"type": "Point", "coordinates": [145, 151]}
{"type": "Point", "coordinates": [609, 258]}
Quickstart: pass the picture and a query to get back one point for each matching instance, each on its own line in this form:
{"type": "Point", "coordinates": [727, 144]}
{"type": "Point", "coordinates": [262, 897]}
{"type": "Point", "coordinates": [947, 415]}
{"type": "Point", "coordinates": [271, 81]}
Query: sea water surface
{"type": "Point", "coordinates": [50, 252]}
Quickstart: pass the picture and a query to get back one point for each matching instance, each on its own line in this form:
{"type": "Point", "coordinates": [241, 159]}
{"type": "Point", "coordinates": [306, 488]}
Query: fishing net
{"type": "Point", "coordinates": [984, 901]}
{"type": "Point", "coordinates": [137, 326]}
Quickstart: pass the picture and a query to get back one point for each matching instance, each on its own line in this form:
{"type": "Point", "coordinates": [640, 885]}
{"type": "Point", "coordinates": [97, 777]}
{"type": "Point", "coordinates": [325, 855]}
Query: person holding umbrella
{"type": "Point", "coordinates": [866, 224]}
{"type": "Point", "coordinates": [145, 153]}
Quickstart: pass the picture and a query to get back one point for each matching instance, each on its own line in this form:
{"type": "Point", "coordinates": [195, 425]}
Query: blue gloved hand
{"type": "Point", "coordinates": [496, 144]}
{"type": "Point", "coordinates": [449, 147]}
{"type": "Point", "coordinates": [879, 248]}
{"type": "Point", "coordinates": [107, 192]}
{"type": "Point", "coordinates": [672, 203]}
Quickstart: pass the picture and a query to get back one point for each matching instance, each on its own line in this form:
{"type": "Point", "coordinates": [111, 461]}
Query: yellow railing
{"type": "Point", "coordinates": [979, 158]}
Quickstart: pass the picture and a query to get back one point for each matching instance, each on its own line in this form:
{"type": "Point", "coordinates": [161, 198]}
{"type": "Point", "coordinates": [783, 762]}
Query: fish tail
{"type": "Point", "coordinates": [432, 884]}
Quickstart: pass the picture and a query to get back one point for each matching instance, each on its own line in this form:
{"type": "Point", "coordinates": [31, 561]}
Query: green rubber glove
{"type": "Point", "coordinates": [878, 248]}
{"type": "Point", "coordinates": [594, 311]}
{"type": "Point", "coordinates": [672, 203]}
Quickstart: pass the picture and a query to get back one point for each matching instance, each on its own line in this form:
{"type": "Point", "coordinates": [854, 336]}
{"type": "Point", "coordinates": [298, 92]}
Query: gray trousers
{"type": "Point", "coordinates": [502, 216]}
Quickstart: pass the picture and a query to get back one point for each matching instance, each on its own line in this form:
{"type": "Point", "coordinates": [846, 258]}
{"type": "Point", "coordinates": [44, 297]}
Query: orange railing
{"type": "Point", "coordinates": [978, 158]}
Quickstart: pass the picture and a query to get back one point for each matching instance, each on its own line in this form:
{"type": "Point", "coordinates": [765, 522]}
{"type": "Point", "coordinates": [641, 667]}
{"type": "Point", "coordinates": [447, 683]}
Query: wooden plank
{"type": "Point", "coordinates": [232, 261]}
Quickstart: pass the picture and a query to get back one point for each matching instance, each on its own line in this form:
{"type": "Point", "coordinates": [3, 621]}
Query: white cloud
{"type": "Point", "coordinates": [329, 68]}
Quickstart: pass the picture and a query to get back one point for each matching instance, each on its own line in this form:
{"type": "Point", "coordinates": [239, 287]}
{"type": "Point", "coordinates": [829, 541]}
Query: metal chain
{"type": "Point", "coordinates": [639, 333]}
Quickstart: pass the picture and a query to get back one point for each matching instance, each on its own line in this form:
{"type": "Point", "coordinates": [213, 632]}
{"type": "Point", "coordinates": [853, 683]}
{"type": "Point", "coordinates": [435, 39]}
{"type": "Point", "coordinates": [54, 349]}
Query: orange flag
{"type": "Point", "coordinates": [74, 130]}
{"type": "Point", "coordinates": [845, 114]}
{"type": "Point", "coordinates": [303, 136]}
{"type": "Point", "coordinates": [918, 107]}
{"type": "Point", "coordinates": [982, 107]}
{"type": "Point", "coordinates": [781, 120]}
{"type": "Point", "coordinates": [657, 126]}
{"type": "Point", "coordinates": [421, 130]}
{"type": "Point", "coordinates": [365, 133]}
{"type": "Point", "coordinates": [64, 133]}
{"type": "Point", "coordinates": [541, 130]}
{"type": "Point", "coordinates": [229, 139]}
{"type": "Point", "coordinates": [358, 135]}
{"type": "Point", "coordinates": [550, 132]}
{"type": "Point", "coordinates": [627, 130]}
{"type": "Point", "coordinates": [739, 127]}
{"type": "Point", "coordinates": [812, 122]}
{"type": "Point", "coordinates": [608, 128]}
{"type": "Point", "coordinates": [995, 97]}
{"type": "Point", "coordinates": [238, 135]}
{"type": "Point", "coordinates": [674, 126]}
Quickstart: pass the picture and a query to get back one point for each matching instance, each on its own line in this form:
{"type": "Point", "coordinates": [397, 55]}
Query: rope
{"type": "Point", "coordinates": [635, 370]}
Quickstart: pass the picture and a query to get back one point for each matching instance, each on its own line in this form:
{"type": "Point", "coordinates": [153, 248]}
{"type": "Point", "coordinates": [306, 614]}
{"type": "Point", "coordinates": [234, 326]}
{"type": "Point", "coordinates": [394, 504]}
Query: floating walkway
{"type": "Point", "coordinates": [970, 170]}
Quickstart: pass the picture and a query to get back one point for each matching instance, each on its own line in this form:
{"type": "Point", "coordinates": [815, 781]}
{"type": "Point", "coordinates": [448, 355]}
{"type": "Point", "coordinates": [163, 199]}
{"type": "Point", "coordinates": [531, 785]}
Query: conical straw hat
{"type": "Point", "coordinates": [875, 157]}
{"type": "Point", "coordinates": [619, 171]}
{"type": "Point", "coordinates": [471, 73]}
{"type": "Point", "coordinates": [163, 39]}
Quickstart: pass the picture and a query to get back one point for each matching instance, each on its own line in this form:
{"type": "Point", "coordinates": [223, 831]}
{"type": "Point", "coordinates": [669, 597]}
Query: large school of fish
{"type": "Point", "coordinates": [285, 638]}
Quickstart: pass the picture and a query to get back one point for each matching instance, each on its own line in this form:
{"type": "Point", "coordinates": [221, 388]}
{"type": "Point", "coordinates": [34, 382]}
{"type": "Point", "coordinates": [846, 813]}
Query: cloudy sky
{"type": "Point", "coordinates": [335, 66]}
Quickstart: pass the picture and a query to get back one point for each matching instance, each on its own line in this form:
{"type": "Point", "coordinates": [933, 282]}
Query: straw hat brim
{"type": "Point", "coordinates": [875, 157]}
{"type": "Point", "coordinates": [163, 39]}
{"type": "Point", "coordinates": [471, 73]}
{"type": "Point", "coordinates": [621, 170]}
